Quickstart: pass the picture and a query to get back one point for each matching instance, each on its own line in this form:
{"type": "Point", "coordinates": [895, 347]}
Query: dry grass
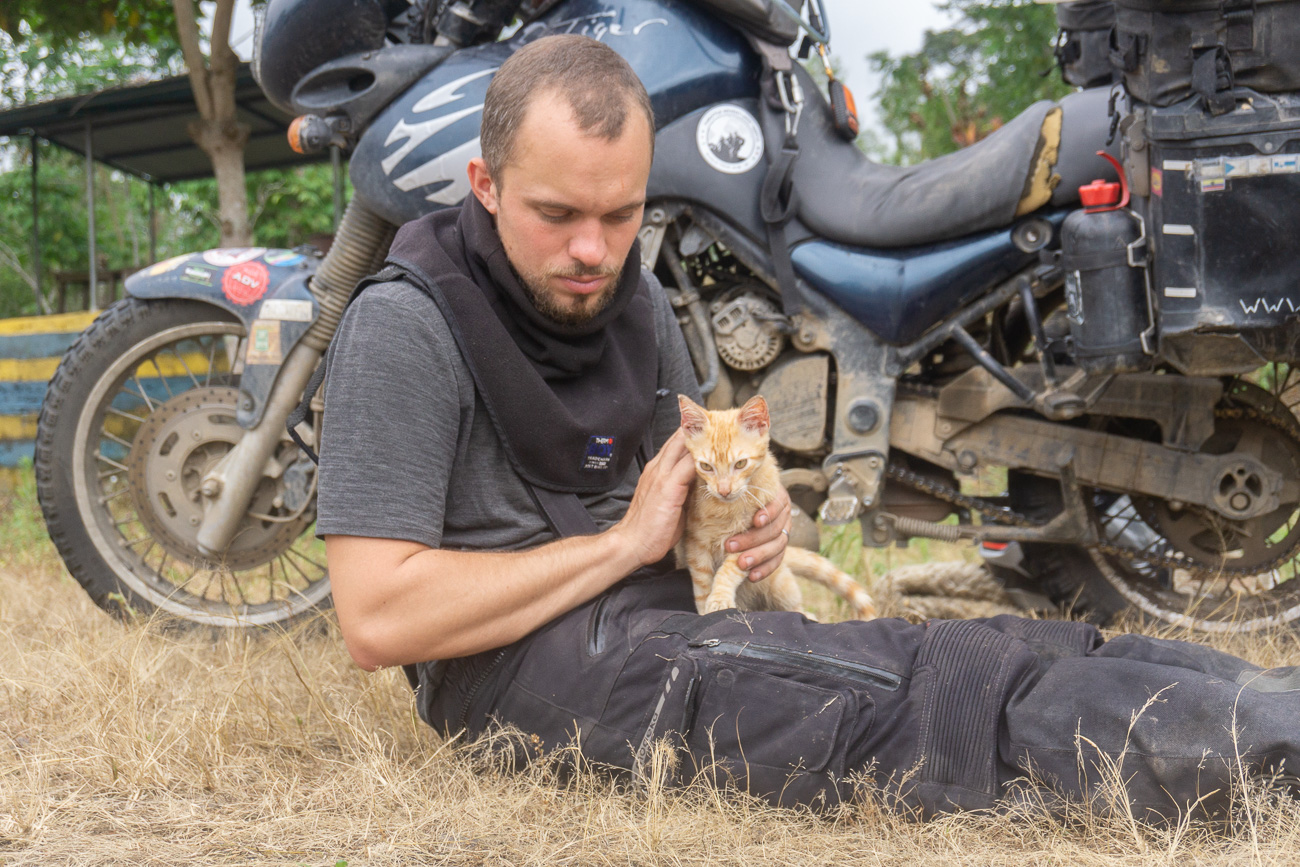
{"type": "Point", "coordinates": [135, 744]}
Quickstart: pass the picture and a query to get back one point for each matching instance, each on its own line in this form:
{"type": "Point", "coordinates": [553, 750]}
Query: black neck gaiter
{"type": "Point", "coordinates": [572, 404]}
{"type": "Point", "coordinates": [556, 349]}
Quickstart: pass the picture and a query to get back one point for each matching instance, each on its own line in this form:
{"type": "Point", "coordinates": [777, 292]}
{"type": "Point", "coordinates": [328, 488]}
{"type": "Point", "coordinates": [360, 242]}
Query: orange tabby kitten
{"type": "Point", "coordinates": [736, 475]}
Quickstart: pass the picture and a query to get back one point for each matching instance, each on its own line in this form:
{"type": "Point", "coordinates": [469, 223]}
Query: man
{"type": "Point", "coordinates": [514, 356]}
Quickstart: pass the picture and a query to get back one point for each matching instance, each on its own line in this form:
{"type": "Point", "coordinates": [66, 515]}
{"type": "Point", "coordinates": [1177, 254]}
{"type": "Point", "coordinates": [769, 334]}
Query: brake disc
{"type": "Point", "coordinates": [174, 449]}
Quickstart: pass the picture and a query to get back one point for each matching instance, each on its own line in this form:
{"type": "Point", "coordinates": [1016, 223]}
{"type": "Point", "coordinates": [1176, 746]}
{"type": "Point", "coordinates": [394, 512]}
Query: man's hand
{"type": "Point", "coordinates": [656, 517]}
{"type": "Point", "coordinates": [762, 548]}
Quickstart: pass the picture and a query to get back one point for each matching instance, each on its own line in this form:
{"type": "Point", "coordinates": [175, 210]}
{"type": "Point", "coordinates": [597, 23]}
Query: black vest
{"type": "Point", "coordinates": [573, 407]}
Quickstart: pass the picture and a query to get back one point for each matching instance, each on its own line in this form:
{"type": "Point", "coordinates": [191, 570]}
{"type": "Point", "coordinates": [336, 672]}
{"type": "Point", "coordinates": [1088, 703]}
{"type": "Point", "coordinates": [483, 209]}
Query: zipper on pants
{"type": "Point", "coordinates": [478, 684]}
{"type": "Point", "coordinates": [815, 662]}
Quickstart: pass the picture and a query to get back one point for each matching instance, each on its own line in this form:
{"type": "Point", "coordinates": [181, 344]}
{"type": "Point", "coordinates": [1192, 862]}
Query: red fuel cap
{"type": "Point", "coordinates": [1099, 194]}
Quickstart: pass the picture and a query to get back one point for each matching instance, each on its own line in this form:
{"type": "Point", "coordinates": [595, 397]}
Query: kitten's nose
{"type": "Point", "coordinates": [724, 489]}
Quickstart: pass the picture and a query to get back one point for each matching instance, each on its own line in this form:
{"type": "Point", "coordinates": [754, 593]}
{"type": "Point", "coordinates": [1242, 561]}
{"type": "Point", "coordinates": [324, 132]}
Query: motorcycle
{"type": "Point", "coordinates": [914, 330]}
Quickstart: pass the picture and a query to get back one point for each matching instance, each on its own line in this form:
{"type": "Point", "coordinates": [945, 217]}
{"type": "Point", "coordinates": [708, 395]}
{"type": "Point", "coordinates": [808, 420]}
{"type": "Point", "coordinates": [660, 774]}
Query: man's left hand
{"type": "Point", "coordinates": [762, 548]}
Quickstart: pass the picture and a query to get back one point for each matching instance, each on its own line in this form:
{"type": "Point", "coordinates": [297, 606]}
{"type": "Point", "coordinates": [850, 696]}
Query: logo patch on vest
{"type": "Point", "coordinates": [600, 453]}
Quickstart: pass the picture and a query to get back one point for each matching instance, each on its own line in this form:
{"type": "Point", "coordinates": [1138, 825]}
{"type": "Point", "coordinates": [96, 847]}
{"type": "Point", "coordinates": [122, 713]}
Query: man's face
{"type": "Point", "coordinates": [568, 206]}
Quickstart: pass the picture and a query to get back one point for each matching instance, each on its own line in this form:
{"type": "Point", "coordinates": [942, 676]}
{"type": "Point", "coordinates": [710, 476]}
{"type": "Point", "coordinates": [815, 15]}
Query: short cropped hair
{"type": "Point", "coordinates": [599, 85]}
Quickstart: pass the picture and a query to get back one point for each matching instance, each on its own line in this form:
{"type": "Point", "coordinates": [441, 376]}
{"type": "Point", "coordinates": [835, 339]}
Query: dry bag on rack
{"type": "Point", "coordinates": [1169, 50]}
{"type": "Point", "coordinates": [1083, 50]}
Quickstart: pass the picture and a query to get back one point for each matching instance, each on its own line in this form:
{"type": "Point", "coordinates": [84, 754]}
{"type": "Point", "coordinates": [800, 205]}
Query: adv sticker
{"type": "Point", "coordinates": [730, 139]}
{"type": "Point", "coordinates": [228, 256]}
{"type": "Point", "coordinates": [244, 284]}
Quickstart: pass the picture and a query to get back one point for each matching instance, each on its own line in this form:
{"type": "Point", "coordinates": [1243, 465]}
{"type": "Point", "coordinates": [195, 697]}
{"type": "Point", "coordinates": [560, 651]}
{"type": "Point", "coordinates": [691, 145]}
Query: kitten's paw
{"type": "Point", "coordinates": [717, 604]}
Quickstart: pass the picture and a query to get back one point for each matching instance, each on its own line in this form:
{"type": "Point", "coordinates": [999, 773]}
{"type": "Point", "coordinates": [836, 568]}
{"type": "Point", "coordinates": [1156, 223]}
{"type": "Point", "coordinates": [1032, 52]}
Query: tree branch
{"type": "Point", "coordinates": [187, 29]}
{"type": "Point", "coordinates": [224, 63]}
{"type": "Point", "coordinates": [221, 18]}
{"type": "Point", "coordinates": [10, 259]}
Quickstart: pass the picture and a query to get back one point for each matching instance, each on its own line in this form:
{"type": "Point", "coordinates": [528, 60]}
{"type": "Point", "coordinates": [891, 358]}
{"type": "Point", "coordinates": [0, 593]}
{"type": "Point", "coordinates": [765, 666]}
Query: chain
{"type": "Point", "coordinates": [1000, 514]}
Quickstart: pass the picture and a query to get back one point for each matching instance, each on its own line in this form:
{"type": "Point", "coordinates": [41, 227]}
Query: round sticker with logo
{"type": "Point", "coordinates": [227, 256]}
{"type": "Point", "coordinates": [730, 139]}
{"type": "Point", "coordinates": [245, 283]}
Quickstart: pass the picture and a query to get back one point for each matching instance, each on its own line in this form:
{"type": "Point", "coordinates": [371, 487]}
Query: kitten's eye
{"type": "Point", "coordinates": [741, 464]}
{"type": "Point", "coordinates": [705, 468]}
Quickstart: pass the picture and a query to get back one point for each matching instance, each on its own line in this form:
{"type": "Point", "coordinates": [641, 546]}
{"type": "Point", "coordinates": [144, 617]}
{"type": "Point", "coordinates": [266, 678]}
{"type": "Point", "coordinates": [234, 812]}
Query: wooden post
{"type": "Point", "coordinates": [92, 294]}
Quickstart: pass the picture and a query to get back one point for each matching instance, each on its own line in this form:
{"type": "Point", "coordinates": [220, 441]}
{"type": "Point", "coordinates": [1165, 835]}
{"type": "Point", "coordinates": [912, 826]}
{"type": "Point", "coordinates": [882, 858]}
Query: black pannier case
{"type": "Point", "coordinates": [1169, 50]}
{"type": "Point", "coordinates": [1223, 219]}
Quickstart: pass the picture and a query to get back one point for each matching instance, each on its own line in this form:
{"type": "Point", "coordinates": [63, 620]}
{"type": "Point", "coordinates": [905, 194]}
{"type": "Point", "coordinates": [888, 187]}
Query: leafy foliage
{"type": "Point", "coordinates": [66, 21]}
{"type": "Point", "coordinates": [967, 81]}
{"type": "Point", "coordinates": [37, 66]}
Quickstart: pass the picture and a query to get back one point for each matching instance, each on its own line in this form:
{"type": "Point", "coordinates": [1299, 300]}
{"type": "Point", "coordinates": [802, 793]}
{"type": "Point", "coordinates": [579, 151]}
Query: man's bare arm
{"type": "Point", "coordinates": [401, 602]}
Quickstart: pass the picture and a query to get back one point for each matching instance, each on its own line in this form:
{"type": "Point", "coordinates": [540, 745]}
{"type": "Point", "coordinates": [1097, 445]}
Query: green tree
{"type": "Point", "coordinates": [968, 80]}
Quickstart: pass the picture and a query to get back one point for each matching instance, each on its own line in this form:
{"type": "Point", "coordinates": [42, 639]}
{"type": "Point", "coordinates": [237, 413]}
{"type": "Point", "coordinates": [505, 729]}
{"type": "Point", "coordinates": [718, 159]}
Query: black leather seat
{"type": "Point", "coordinates": [845, 197]}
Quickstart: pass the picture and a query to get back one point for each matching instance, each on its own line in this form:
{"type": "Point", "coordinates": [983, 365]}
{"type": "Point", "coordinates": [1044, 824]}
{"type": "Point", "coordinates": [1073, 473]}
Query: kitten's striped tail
{"type": "Point", "coordinates": [814, 567]}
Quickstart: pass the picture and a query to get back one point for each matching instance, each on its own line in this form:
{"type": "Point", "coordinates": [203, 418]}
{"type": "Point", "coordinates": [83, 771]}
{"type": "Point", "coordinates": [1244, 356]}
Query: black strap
{"type": "Point", "coordinates": [299, 414]}
{"type": "Point", "coordinates": [1126, 49]}
{"type": "Point", "coordinates": [777, 199]}
{"type": "Point", "coordinates": [1212, 79]}
{"type": "Point", "coordinates": [1239, 16]}
{"type": "Point", "coordinates": [777, 205]}
{"type": "Point", "coordinates": [564, 512]}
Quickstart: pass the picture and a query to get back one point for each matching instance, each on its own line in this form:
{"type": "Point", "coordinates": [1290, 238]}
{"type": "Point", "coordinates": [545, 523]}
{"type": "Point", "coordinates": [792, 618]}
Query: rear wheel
{"type": "Point", "coordinates": [140, 408]}
{"type": "Point", "coordinates": [1186, 565]}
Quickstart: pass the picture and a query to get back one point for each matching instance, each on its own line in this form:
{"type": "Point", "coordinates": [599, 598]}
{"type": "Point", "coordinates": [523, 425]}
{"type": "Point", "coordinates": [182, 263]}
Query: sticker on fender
{"type": "Point", "coordinates": [264, 342]}
{"type": "Point", "coordinates": [244, 284]}
{"type": "Point", "coordinates": [286, 309]}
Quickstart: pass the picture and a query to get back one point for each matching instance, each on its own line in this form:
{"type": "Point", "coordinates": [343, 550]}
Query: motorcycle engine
{"type": "Point", "coordinates": [746, 329]}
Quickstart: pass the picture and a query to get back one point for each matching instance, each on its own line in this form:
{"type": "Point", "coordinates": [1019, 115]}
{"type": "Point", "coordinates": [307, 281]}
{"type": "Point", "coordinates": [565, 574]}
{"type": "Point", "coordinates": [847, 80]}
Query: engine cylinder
{"type": "Point", "coordinates": [1105, 295]}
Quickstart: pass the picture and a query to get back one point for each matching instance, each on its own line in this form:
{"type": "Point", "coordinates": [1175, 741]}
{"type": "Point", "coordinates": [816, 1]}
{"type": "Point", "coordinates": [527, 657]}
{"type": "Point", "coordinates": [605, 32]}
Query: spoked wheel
{"type": "Point", "coordinates": [1191, 566]}
{"type": "Point", "coordinates": [141, 407]}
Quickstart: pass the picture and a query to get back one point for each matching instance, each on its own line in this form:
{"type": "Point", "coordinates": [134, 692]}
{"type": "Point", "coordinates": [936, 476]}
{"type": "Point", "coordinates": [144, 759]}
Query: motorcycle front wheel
{"type": "Point", "coordinates": [139, 409]}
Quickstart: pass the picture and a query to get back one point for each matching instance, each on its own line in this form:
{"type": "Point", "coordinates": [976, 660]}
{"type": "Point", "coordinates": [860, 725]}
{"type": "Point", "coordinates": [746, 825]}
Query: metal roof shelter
{"type": "Point", "coordinates": [141, 130]}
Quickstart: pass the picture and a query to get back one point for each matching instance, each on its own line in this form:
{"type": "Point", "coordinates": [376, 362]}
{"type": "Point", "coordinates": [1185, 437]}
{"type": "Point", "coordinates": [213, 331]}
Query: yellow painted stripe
{"type": "Point", "coordinates": [58, 323]}
{"type": "Point", "coordinates": [27, 369]}
{"type": "Point", "coordinates": [42, 369]}
{"type": "Point", "coordinates": [17, 427]}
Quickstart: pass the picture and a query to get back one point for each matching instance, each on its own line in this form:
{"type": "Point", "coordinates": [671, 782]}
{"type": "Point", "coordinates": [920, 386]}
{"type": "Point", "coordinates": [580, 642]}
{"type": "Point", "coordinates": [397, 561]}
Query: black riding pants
{"type": "Point", "coordinates": [943, 715]}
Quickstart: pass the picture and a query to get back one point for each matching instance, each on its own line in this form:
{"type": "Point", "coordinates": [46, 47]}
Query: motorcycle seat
{"type": "Point", "coordinates": [845, 197]}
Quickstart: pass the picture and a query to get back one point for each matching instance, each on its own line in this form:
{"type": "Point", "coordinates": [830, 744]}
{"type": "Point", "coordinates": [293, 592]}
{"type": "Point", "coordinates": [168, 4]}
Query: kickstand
{"type": "Point", "coordinates": [1073, 504]}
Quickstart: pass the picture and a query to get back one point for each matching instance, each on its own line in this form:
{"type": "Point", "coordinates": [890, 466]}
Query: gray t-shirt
{"type": "Point", "coordinates": [407, 448]}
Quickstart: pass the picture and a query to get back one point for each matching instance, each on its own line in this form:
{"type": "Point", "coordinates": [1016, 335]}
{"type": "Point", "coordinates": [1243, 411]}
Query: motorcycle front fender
{"type": "Point", "coordinates": [266, 288]}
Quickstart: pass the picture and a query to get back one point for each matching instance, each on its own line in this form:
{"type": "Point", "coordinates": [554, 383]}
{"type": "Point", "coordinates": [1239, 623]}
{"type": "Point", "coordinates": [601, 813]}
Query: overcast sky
{"type": "Point", "coordinates": [858, 27]}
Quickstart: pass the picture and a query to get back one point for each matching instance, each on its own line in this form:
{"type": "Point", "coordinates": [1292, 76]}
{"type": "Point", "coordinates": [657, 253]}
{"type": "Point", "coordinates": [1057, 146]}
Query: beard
{"type": "Point", "coordinates": [575, 309]}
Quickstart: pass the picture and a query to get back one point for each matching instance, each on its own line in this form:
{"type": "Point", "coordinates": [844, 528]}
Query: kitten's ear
{"type": "Point", "coordinates": [753, 415]}
{"type": "Point", "coordinates": [693, 416]}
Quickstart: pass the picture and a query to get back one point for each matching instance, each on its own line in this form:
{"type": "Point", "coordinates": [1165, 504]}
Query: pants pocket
{"type": "Point", "coordinates": [771, 733]}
